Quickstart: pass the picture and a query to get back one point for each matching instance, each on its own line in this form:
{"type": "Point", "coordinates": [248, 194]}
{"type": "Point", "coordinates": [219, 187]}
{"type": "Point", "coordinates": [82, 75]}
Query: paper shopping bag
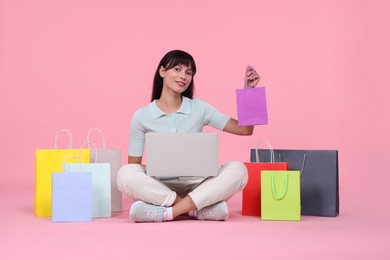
{"type": "Point", "coordinates": [251, 105]}
{"type": "Point", "coordinates": [47, 162]}
{"type": "Point", "coordinates": [112, 156]}
{"type": "Point", "coordinates": [280, 195]}
{"type": "Point", "coordinates": [251, 195]}
{"type": "Point", "coordinates": [101, 185]}
{"type": "Point", "coordinates": [319, 179]}
{"type": "Point", "coordinates": [71, 196]}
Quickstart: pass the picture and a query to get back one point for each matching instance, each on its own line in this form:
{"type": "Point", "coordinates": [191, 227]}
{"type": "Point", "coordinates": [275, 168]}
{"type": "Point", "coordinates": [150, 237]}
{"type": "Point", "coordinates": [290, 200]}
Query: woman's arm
{"type": "Point", "coordinates": [233, 128]}
{"type": "Point", "coordinates": [133, 159]}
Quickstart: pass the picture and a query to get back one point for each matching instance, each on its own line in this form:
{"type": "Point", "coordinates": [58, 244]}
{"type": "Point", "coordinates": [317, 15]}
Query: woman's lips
{"type": "Point", "coordinates": [180, 83]}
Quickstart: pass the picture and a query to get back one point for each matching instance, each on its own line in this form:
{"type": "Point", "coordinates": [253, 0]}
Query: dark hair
{"type": "Point", "coordinates": [170, 60]}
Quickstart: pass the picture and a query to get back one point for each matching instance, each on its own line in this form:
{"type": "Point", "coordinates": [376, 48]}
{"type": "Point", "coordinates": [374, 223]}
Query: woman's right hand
{"type": "Point", "coordinates": [251, 76]}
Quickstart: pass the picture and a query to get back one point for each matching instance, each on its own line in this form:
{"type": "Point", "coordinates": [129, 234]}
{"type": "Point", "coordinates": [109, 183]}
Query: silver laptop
{"type": "Point", "coordinates": [181, 154]}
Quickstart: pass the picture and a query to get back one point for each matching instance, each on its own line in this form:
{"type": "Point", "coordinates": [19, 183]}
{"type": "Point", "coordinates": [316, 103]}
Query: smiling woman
{"type": "Point", "coordinates": [171, 60]}
{"type": "Point", "coordinates": [82, 64]}
{"type": "Point", "coordinates": [172, 109]}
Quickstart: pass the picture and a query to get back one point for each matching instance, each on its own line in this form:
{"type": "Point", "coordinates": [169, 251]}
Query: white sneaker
{"type": "Point", "coordinates": [217, 211]}
{"type": "Point", "coordinates": [144, 212]}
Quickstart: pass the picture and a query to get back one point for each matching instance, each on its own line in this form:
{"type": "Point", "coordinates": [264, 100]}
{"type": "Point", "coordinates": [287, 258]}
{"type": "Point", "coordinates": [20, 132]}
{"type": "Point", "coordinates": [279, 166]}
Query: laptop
{"type": "Point", "coordinates": [181, 154]}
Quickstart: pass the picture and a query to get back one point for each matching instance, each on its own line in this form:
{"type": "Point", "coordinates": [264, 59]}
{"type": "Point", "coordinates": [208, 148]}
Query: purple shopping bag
{"type": "Point", "coordinates": [251, 106]}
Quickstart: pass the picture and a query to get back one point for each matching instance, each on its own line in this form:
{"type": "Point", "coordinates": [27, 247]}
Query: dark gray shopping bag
{"type": "Point", "coordinates": [319, 178]}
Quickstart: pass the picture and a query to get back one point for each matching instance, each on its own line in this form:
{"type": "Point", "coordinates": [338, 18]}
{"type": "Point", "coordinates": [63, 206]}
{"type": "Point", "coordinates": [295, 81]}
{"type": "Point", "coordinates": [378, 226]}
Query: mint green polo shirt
{"type": "Point", "coordinates": [192, 116]}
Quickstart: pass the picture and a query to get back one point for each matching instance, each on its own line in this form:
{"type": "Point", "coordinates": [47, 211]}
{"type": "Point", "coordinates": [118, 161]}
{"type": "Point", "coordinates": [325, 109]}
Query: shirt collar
{"type": "Point", "coordinates": [156, 112]}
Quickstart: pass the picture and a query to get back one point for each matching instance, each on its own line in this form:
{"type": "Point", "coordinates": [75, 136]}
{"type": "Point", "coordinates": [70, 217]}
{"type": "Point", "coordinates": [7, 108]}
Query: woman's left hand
{"type": "Point", "coordinates": [251, 76]}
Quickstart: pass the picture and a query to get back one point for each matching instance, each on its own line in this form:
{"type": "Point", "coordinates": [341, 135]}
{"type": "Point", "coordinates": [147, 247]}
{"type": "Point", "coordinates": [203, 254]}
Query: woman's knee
{"type": "Point", "coordinates": [126, 174]}
{"type": "Point", "coordinates": [239, 171]}
{"type": "Point", "coordinates": [242, 171]}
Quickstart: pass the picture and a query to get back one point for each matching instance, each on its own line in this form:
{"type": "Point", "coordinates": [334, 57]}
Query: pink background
{"type": "Point", "coordinates": [81, 64]}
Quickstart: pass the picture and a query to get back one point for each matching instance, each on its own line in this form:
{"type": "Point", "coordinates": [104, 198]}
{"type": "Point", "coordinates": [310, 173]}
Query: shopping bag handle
{"type": "Point", "coordinates": [66, 158]}
{"type": "Point", "coordinates": [70, 137]}
{"type": "Point", "coordinates": [89, 144]}
{"type": "Point", "coordinates": [99, 131]}
{"type": "Point", "coordinates": [276, 196]}
{"type": "Point", "coordinates": [271, 150]}
{"type": "Point", "coordinates": [303, 162]}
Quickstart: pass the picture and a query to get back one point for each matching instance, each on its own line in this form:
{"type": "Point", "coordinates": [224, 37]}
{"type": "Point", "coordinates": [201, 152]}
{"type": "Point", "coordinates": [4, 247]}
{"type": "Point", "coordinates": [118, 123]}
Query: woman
{"type": "Point", "coordinates": [163, 200]}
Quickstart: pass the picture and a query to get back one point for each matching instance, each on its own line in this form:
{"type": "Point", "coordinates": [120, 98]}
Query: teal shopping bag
{"type": "Point", "coordinates": [280, 195]}
{"type": "Point", "coordinates": [101, 185]}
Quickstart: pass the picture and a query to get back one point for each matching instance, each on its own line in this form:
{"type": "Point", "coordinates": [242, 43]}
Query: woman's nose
{"type": "Point", "coordinates": [182, 74]}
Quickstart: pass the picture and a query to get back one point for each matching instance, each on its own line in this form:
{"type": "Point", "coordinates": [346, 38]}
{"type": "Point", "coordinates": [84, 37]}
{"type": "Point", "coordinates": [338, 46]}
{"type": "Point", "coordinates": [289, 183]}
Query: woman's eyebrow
{"type": "Point", "coordinates": [181, 66]}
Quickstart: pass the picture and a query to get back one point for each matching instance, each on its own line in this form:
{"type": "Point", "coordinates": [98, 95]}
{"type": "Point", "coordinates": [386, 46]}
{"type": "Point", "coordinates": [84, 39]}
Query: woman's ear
{"type": "Point", "coordinates": [162, 71]}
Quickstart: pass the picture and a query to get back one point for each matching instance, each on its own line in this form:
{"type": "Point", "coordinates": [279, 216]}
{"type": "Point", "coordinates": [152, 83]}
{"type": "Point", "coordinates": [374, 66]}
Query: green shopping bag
{"type": "Point", "coordinates": [280, 195]}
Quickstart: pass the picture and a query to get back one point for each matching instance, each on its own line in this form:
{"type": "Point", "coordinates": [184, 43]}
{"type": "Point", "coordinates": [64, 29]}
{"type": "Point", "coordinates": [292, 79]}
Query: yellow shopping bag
{"type": "Point", "coordinates": [47, 162]}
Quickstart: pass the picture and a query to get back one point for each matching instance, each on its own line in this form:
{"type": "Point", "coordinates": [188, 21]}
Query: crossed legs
{"type": "Point", "coordinates": [204, 200]}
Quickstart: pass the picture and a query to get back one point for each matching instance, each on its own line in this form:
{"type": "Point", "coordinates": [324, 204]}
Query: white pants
{"type": "Point", "coordinates": [133, 181]}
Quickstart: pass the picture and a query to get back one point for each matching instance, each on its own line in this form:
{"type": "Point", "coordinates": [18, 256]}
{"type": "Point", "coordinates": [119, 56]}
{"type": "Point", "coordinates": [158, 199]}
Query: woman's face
{"type": "Point", "coordinates": [177, 79]}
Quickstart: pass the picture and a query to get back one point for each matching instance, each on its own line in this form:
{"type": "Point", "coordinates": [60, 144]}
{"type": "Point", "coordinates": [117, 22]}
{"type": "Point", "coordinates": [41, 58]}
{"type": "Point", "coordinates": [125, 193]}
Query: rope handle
{"type": "Point", "coordinates": [66, 158]}
{"type": "Point", "coordinates": [99, 131]}
{"type": "Point", "coordinates": [88, 143]}
{"type": "Point", "coordinates": [70, 137]}
{"type": "Point", "coordinates": [271, 150]}
{"type": "Point", "coordinates": [276, 196]}
{"type": "Point", "coordinates": [69, 157]}
{"type": "Point", "coordinates": [303, 162]}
